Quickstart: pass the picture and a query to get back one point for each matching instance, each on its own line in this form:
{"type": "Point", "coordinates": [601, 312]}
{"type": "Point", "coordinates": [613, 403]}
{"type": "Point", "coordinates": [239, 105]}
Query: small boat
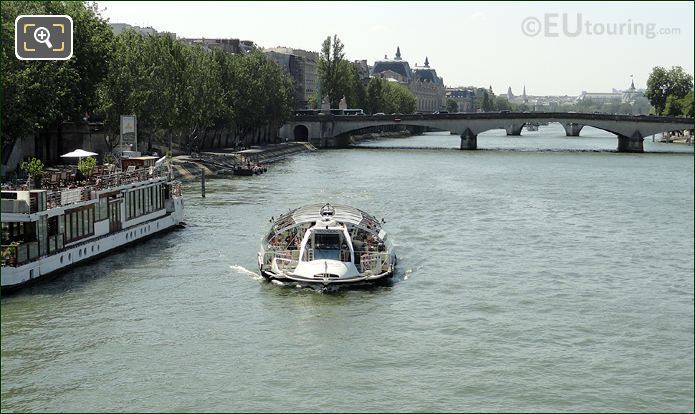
{"type": "Point", "coordinates": [243, 171]}
{"type": "Point", "coordinates": [531, 127]}
{"type": "Point", "coordinates": [250, 170]}
{"type": "Point", "coordinates": [320, 245]}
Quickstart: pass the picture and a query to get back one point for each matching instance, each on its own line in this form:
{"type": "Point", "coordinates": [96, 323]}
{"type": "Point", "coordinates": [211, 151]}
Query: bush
{"type": "Point", "coordinates": [86, 164]}
{"type": "Point", "coordinates": [33, 167]}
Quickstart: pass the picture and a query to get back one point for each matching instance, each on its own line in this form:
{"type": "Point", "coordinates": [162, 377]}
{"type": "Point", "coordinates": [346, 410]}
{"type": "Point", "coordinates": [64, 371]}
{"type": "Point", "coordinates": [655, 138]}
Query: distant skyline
{"type": "Point", "coordinates": [480, 44]}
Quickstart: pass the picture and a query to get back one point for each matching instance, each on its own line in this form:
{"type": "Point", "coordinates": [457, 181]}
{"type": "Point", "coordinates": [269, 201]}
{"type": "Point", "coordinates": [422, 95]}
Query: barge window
{"type": "Point", "coordinates": [73, 223]}
{"type": "Point", "coordinates": [131, 204]}
{"type": "Point", "coordinates": [103, 212]}
{"type": "Point", "coordinates": [61, 224]}
{"type": "Point", "coordinates": [53, 226]}
{"type": "Point", "coordinates": [68, 228]}
{"type": "Point", "coordinates": [80, 224]}
{"type": "Point", "coordinates": [155, 192]}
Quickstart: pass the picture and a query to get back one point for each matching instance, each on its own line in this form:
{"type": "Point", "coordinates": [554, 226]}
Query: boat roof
{"type": "Point", "coordinates": [313, 212]}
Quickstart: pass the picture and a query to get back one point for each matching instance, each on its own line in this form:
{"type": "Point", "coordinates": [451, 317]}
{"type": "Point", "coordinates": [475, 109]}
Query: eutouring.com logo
{"type": "Point", "coordinates": [43, 37]}
{"type": "Point", "coordinates": [567, 25]}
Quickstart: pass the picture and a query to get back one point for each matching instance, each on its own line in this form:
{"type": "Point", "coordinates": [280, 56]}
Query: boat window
{"type": "Point", "coordinates": [327, 246]}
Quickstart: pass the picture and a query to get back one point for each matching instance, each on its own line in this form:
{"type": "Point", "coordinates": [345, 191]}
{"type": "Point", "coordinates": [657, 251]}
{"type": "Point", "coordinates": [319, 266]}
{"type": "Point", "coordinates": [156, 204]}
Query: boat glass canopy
{"type": "Point", "coordinates": [313, 213]}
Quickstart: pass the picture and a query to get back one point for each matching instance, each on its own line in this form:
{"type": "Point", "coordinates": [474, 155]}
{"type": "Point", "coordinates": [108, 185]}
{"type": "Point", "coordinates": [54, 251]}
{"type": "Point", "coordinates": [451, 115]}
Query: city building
{"type": "Point", "coordinates": [469, 98]}
{"type": "Point", "coordinates": [547, 103]}
{"type": "Point", "coordinates": [631, 96]}
{"type": "Point", "coordinates": [120, 27]}
{"type": "Point", "coordinates": [227, 45]}
{"type": "Point", "coordinates": [302, 66]}
{"type": "Point", "coordinates": [363, 70]}
{"type": "Point", "coordinates": [423, 81]}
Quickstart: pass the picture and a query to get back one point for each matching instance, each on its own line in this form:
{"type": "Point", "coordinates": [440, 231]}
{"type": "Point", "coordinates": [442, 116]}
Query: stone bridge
{"type": "Point", "coordinates": [333, 131]}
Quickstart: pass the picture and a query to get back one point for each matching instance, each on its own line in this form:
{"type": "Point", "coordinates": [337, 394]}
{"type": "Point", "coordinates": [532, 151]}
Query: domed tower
{"type": "Point", "coordinates": [395, 68]}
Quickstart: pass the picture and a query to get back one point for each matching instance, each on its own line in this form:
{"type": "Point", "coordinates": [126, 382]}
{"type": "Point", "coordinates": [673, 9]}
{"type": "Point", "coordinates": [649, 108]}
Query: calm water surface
{"type": "Point", "coordinates": [544, 278]}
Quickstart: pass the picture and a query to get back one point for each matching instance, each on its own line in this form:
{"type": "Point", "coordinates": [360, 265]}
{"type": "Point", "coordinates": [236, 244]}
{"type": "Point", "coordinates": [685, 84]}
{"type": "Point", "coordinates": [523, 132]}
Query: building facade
{"type": "Point", "coordinates": [469, 98]}
{"type": "Point", "coordinates": [423, 81]}
{"type": "Point", "coordinates": [302, 66]}
{"type": "Point", "coordinates": [235, 46]}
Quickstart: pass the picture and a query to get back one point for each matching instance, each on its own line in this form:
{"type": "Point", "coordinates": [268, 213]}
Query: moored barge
{"type": "Point", "coordinates": [68, 222]}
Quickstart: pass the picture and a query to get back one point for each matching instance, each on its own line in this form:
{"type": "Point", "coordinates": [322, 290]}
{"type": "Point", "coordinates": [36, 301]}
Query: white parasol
{"type": "Point", "coordinates": [78, 153]}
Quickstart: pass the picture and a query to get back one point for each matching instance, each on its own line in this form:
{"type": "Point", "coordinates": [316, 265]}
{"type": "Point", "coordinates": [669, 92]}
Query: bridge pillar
{"type": "Point", "coordinates": [572, 129]}
{"type": "Point", "coordinates": [469, 140]}
{"type": "Point", "coordinates": [635, 143]}
{"type": "Point", "coordinates": [514, 129]}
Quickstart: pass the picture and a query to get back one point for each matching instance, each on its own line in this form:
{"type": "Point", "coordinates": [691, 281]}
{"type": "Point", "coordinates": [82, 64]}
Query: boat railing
{"type": "Point", "coordinates": [284, 259]}
{"type": "Point", "coordinates": [286, 264]}
{"type": "Point", "coordinates": [17, 254]}
{"type": "Point", "coordinates": [56, 196]}
{"type": "Point", "coordinates": [377, 262]}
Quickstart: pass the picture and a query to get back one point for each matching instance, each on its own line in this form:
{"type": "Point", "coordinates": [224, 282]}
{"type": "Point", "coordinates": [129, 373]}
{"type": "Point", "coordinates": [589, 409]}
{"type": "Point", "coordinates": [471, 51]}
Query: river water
{"type": "Point", "coordinates": [541, 273]}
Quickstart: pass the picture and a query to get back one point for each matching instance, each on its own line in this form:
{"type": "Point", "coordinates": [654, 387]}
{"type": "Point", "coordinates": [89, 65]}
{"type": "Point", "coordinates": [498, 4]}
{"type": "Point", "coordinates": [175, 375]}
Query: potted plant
{"type": "Point", "coordinates": [86, 164]}
{"type": "Point", "coordinates": [9, 253]}
{"type": "Point", "coordinates": [34, 168]}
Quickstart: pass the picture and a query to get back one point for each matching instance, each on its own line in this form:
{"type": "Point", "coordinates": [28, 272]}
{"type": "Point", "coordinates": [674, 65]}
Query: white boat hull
{"type": "Point", "coordinates": [13, 278]}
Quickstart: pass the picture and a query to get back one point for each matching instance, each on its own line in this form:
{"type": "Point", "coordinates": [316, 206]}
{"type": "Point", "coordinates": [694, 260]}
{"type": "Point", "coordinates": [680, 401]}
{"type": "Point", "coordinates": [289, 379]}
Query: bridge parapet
{"type": "Point", "coordinates": [327, 130]}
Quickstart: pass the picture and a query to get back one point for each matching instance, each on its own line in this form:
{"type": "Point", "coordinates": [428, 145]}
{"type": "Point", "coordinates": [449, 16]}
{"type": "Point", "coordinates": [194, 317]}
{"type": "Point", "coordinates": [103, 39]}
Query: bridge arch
{"type": "Point", "coordinates": [301, 133]}
{"type": "Point", "coordinates": [630, 130]}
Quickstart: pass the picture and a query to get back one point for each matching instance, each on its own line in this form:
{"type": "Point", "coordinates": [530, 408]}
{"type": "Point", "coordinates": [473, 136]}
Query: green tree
{"type": "Point", "coordinates": [333, 70]}
{"type": "Point", "coordinates": [375, 95]}
{"type": "Point", "coordinates": [311, 102]}
{"type": "Point", "coordinates": [502, 104]}
{"type": "Point", "coordinates": [486, 105]}
{"type": "Point", "coordinates": [85, 165]}
{"type": "Point", "coordinates": [662, 83]}
{"type": "Point", "coordinates": [398, 99]}
{"type": "Point", "coordinates": [356, 92]}
{"type": "Point", "coordinates": [40, 94]}
{"type": "Point", "coordinates": [452, 105]}
{"type": "Point", "coordinates": [687, 105]}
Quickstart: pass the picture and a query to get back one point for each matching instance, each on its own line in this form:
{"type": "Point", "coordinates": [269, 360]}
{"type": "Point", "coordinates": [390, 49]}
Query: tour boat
{"type": "Point", "coordinates": [321, 245]}
{"type": "Point", "coordinates": [70, 222]}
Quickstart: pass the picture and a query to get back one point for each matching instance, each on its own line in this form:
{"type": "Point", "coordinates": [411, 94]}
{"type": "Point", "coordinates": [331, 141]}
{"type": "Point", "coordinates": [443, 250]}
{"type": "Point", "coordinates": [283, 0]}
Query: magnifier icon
{"type": "Point", "coordinates": [42, 35]}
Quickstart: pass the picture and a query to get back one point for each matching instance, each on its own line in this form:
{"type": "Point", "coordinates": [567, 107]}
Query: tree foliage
{"type": "Point", "coordinates": [375, 95]}
{"type": "Point", "coordinates": [501, 103]}
{"type": "Point", "coordinates": [389, 97]}
{"type": "Point", "coordinates": [178, 90]}
{"type": "Point", "coordinates": [663, 83]}
{"type": "Point", "coordinates": [85, 165]}
{"type": "Point", "coordinates": [452, 105]}
{"type": "Point", "coordinates": [333, 70]}
{"type": "Point", "coordinates": [487, 105]}
{"type": "Point", "coordinates": [40, 94]}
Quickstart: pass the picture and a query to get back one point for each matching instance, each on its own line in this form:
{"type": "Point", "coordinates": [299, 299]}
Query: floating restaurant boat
{"type": "Point", "coordinates": [70, 222]}
{"type": "Point", "coordinates": [321, 245]}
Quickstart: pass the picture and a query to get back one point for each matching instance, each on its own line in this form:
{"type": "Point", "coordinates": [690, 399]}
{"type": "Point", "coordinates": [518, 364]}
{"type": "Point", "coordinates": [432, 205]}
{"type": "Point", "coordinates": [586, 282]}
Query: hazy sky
{"type": "Point", "coordinates": [498, 44]}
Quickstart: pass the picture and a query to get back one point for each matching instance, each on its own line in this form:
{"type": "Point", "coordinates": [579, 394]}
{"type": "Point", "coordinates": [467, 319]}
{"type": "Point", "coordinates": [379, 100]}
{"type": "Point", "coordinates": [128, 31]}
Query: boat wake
{"type": "Point", "coordinates": [244, 271]}
{"type": "Point", "coordinates": [407, 274]}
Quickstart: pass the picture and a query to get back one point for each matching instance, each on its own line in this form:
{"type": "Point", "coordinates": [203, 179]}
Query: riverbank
{"type": "Point", "coordinates": [354, 139]}
{"type": "Point", "coordinates": [223, 161]}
